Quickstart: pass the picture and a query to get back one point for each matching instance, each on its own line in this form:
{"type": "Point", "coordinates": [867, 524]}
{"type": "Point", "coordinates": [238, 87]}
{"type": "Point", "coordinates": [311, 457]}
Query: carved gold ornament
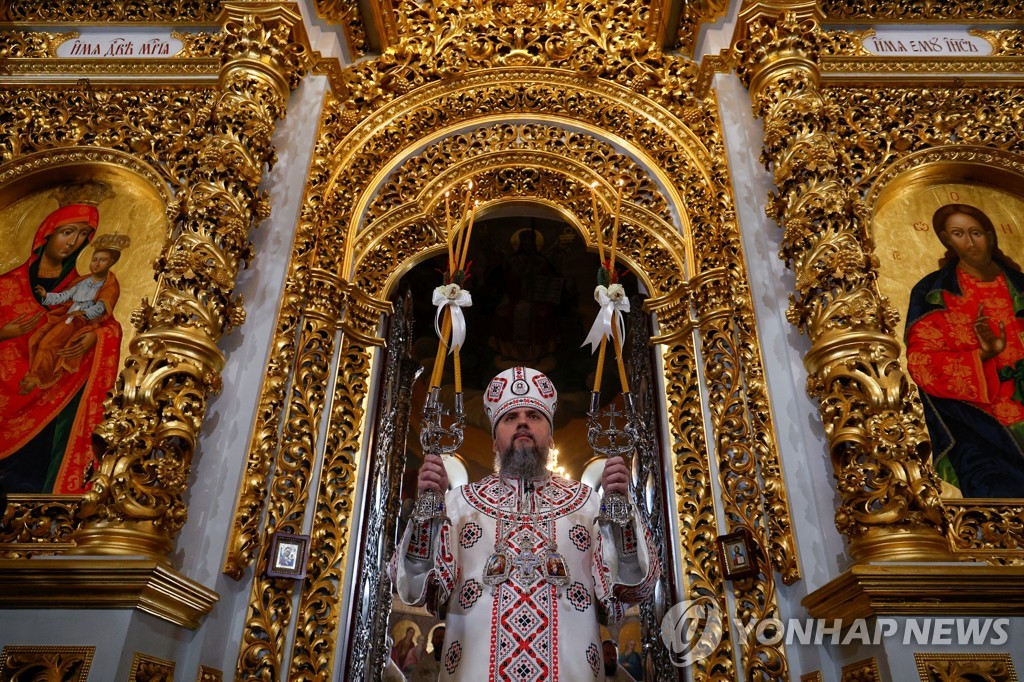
{"type": "Point", "coordinates": [873, 419]}
{"type": "Point", "coordinates": [984, 667]}
{"type": "Point", "coordinates": [64, 663]}
{"type": "Point", "coordinates": [524, 103]}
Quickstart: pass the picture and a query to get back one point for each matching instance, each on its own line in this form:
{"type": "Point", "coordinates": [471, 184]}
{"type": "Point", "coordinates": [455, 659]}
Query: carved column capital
{"type": "Point", "coordinates": [776, 37]}
{"type": "Point", "coordinates": [266, 40]}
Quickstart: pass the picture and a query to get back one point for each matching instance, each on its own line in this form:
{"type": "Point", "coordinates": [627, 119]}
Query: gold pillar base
{"type": "Point", "coordinates": [120, 541]}
{"type": "Point", "coordinates": [104, 583]}
{"type": "Point", "coordinates": [897, 544]}
{"type": "Point", "coordinates": [920, 590]}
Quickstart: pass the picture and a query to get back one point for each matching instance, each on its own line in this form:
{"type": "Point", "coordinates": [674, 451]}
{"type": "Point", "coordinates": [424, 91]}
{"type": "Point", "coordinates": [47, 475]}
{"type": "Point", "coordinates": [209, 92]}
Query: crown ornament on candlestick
{"type": "Point", "coordinates": [438, 435]}
{"type": "Point", "coordinates": [604, 432]}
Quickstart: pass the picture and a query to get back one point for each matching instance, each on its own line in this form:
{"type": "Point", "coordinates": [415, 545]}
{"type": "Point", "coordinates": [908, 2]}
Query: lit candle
{"type": "Point", "coordinates": [597, 222]}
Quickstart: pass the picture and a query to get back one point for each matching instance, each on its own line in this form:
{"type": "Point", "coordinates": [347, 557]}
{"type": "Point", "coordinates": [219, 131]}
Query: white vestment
{"type": "Point", "coordinates": [525, 628]}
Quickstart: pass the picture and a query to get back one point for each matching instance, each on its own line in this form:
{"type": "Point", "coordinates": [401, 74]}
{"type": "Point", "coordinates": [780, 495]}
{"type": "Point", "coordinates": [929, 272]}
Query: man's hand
{"type": "Point", "coordinates": [432, 476]}
{"type": "Point", "coordinates": [991, 344]}
{"type": "Point", "coordinates": [615, 478]}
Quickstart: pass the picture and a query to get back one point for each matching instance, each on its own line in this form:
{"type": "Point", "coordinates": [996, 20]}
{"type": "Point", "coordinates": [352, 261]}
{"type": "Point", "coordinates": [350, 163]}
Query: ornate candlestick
{"type": "Point", "coordinates": [609, 440]}
{"type": "Point", "coordinates": [435, 437]}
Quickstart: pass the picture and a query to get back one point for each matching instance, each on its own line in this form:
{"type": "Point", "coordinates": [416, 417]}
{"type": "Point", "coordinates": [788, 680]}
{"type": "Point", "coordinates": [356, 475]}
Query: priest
{"type": "Point", "coordinates": [521, 565]}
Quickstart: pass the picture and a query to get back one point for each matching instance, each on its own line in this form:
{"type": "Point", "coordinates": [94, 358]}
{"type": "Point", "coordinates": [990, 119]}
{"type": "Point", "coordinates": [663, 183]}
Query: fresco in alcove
{"type": "Point", "coordinates": [950, 257]}
{"type": "Point", "coordinates": [77, 257]}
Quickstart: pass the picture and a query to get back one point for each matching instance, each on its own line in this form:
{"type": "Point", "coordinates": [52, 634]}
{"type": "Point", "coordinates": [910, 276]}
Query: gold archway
{"type": "Point", "coordinates": [375, 206]}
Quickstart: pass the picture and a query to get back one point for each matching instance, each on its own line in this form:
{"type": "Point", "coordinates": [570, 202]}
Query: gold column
{"type": "Point", "coordinates": [890, 509]}
{"type": "Point", "coordinates": [712, 292]}
{"type": "Point", "coordinates": [151, 422]}
{"type": "Point", "coordinates": [269, 613]}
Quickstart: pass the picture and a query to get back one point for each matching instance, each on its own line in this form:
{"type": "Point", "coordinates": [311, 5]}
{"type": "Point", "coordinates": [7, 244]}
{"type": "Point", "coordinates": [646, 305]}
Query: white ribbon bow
{"type": "Point", "coordinates": [456, 298]}
{"type": "Point", "coordinates": [612, 300]}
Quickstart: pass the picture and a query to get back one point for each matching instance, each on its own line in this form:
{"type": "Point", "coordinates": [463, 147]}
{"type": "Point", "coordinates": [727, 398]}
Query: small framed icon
{"type": "Point", "coordinates": [288, 556]}
{"type": "Point", "coordinates": [737, 553]}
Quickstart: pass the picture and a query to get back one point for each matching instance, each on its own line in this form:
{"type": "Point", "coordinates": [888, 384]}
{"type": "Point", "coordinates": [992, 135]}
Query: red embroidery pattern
{"type": "Point", "coordinates": [469, 593]}
{"type": "Point", "coordinates": [580, 537]}
{"type": "Point", "coordinates": [525, 648]}
{"type": "Point", "coordinates": [453, 656]}
{"type": "Point", "coordinates": [594, 659]}
{"type": "Point", "coordinates": [470, 534]}
{"type": "Point", "coordinates": [419, 541]}
{"type": "Point", "coordinates": [943, 353]}
{"type": "Point", "coordinates": [524, 617]}
{"type": "Point", "coordinates": [627, 539]}
{"type": "Point", "coordinates": [578, 596]}
{"type": "Point", "coordinates": [560, 497]}
{"type": "Point", "coordinates": [447, 570]}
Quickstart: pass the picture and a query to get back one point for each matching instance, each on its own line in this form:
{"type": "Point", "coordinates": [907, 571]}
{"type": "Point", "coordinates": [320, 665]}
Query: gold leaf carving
{"type": "Point", "coordinates": [983, 667]}
{"type": "Point", "coordinates": [57, 663]}
{"type": "Point", "coordinates": [146, 668]}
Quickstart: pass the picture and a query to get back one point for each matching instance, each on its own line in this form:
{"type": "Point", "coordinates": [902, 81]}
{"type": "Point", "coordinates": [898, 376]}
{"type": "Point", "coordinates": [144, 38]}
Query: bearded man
{"type": "Point", "coordinates": [521, 563]}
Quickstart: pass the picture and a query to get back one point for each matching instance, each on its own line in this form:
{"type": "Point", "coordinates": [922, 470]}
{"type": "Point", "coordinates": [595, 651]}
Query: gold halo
{"type": "Point", "coordinates": [514, 239]}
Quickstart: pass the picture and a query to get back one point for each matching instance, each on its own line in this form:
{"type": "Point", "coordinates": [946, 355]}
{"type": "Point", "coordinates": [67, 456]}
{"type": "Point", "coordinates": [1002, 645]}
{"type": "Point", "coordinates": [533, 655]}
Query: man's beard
{"type": "Point", "coordinates": [523, 461]}
{"type": "Point", "coordinates": [610, 668]}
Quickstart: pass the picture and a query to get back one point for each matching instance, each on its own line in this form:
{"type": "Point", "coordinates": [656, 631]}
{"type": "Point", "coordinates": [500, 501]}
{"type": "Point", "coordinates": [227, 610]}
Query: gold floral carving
{"type": "Point", "coordinates": [57, 663]}
{"type": "Point", "coordinates": [990, 531]}
{"type": "Point", "coordinates": [33, 142]}
{"type": "Point", "coordinates": [812, 677]}
{"type": "Point", "coordinates": [695, 498]}
{"type": "Point", "coordinates": [346, 13]}
{"type": "Point", "coordinates": [862, 671]}
{"type": "Point", "coordinates": [982, 667]}
{"type": "Point", "coordinates": [153, 417]}
{"type": "Point", "coordinates": [910, 10]}
{"type": "Point", "coordinates": [320, 605]}
{"type": "Point", "coordinates": [32, 525]}
{"type": "Point", "coordinates": [1006, 42]}
{"type": "Point", "coordinates": [16, 44]}
{"type": "Point", "coordinates": [270, 603]}
{"type": "Point", "coordinates": [692, 16]}
{"type": "Point", "coordinates": [207, 674]}
{"type": "Point", "coordinates": [951, 143]}
{"type": "Point", "coordinates": [756, 597]}
{"type": "Point", "coordinates": [146, 668]}
{"type": "Point", "coordinates": [873, 419]}
{"type": "Point", "coordinates": [178, 11]}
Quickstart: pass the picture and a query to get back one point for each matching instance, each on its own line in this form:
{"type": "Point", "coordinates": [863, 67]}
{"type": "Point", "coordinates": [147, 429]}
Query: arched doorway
{"type": "Point", "coordinates": [532, 279]}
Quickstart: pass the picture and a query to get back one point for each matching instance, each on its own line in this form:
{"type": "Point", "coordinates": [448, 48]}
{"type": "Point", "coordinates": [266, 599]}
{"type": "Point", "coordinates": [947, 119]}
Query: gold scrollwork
{"type": "Point", "coordinates": [346, 13]}
{"type": "Point", "coordinates": [152, 420]}
{"type": "Point", "coordinates": [738, 474]}
{"type": "Point", "coordinates": [163, 11]}
{"type": "Point", "coordinates": [64, 663]}
{"type": "Point", "coordinates": [702, 575]}
{"type": "Point", "coordinates": [862, 671]}
{"type": "Point", "coordinates": [146, 668]}
{"type": "Point", "coordinates": [983, 667]}
{"type": "Point", "coordinates": [908, 10]}
{"type": "Point", "coordinates": [457, 90]}
{"type": "Point", "coordinates": [207, 674]}
{"type": "Point", "coordinates": [33, 525]}
{"type": "Point", "coordinates": [320, 604]}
